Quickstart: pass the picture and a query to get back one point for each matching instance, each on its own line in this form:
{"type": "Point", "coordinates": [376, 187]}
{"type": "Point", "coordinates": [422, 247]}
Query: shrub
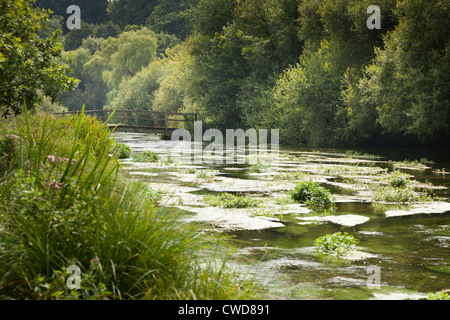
{"type": "Point", "coordinates": [8, 151]}
{"type": "Point", "coordinates": [121, 151]}
{"type": "Point", "coordinates": [398, 179]}
{"type": "Point", "coordinates": [336, 243]}
{"type": "Point", "coordinates": [146, 156]}
{"type": "Point", "coordinates": [313, 195]}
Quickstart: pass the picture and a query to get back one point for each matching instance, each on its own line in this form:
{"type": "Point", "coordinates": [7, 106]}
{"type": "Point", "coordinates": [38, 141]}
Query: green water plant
{"type": "Point", "coordinates": [338, 243]}
{"type": "Point", "coordinates": [440, 295]}
{"type": "Point", "coordinates": [228, 200]}
{"type": "Point", "coordinates": [398, 179]}
{"type": "Point", "coordinates": [259, 167]}
{"type": "Point", "coordinates": [313, 195]}
{"type": "Point", "coordinates": [120, 150]}
{"type": "Point", "coordinates": [390, 194]}
{"type": "Point", "coordinates": [146, 156]}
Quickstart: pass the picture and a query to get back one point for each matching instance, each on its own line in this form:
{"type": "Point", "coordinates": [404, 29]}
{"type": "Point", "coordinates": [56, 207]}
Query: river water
{"type": "Point", "coordinates": [402, 254]}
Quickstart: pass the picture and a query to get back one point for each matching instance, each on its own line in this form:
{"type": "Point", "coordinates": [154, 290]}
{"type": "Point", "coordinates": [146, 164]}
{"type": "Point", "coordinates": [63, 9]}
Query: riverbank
{"type": "Point", "coordinates": [74, 227]}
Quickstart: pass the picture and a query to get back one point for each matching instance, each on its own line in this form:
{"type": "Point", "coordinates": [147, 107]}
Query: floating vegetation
{"type": "Point", "coordinates": [313, 195]}
{"type": "Point", "coordinates": [337, 243]}
{"type": "Point", "coordinates": [398, 179]}
{"type": "Point", "coordinates": [409, 164]}
{"type": "Point", "coordinates": [356, 154]}
{"type": "Point", "coordinates": [259, 167]}
{"type": "Point", "coordinates": [146, 156]}
{"type": "Point", "coordinates": [227, 200]}
{"type": "Point", "coordinates": [291, 175]}
{"type": "Point", "coordinates": [389, 194]}
{"type": "Point", "coordinates": [207, 175]}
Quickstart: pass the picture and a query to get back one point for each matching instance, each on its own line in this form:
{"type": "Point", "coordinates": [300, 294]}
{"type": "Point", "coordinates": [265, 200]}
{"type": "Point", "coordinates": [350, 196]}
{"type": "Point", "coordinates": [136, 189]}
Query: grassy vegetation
{"type": "Point", "coordinates": [64, 201]}
{"type": "Point", "coordinates": [290, 175]}
{"type": "Point", "coordinates": [146, 156]}
{"type": "Point", "coordinates": [227, 200]}
{"type": "Point", "coordinates": [391, 194]}
{"type": "Point", "coordinates": [357, 154]}
{"type": "Point", "coordinates": [337, 243]}
{"type": "Point", "coordinates": [206, 175]}
{"type": "Point", "coordinates": [398, 179]}
{"type": "Point", "coordinates": [313, 195]}
{"type": "Point", "coordinates": [413, 164]}
{"type": "Point", "coordinates": [120, 150]}
{"type": "Point", "coordinates": [259, 167]}
{"type": "Point", "coordinates": [440, 295]}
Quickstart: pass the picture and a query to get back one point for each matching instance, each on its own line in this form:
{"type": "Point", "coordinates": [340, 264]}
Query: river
{"type": "Point", "coordinates": [404, 251]}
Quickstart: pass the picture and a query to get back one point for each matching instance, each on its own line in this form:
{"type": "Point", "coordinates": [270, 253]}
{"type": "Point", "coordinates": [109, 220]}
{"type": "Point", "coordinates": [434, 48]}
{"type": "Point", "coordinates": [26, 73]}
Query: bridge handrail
{"type": "Point", "coordinates": [136, 118]}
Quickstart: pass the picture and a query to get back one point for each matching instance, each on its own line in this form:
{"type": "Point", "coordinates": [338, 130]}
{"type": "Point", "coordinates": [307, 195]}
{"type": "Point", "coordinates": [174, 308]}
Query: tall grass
{"type": "Point", "coordinates": [64, 201]}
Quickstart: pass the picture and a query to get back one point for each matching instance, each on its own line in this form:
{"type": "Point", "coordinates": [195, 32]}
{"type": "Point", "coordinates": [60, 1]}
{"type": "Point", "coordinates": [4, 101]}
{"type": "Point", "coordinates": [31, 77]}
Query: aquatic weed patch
{"type": "Point", "coordinates": [337, 243]}
{"type": "Point", "coordinates": [227, 200]}
{"type": "Point", "coordinates": [313, 195]}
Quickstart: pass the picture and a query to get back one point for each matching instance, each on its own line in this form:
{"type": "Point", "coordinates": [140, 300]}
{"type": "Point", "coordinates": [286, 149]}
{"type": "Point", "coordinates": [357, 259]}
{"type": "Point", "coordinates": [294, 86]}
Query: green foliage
{"type": "Point", "coordinates": [91, 11]}
{"type": "Point", "coordinates": [146, 156]}
{"type": "Point", "coordinates": [440, 295]}
{"type": "Point", "coordinates": [394, 194]}
{"type": "Point", "coordinates": [407, 80]}
{"type": "Point", "coordinates": [130, 12]}
{"type": "Point", "coordinates": [144, 190]}
{"type": "Point", "coordinates": [9, 149]}
{"type": "Point", "coordinates": [337, 243]}
{"type": "Point", "coordinates": [227, 200]}
{"type": "Point", "coordinates": [258, 167]}
{"type": "Point", "coordinates": [172, 17]}
{"type": "Point", "coordinates": [120, 150]}
{"type": "Point", "coordinates": [398, 179]}
{"type": "Point", "coordinates": [63, 205]}
{"type": "Point", "coordinates": [313, 195]}
{"type": "Point", "coordinates": [29, 68]}
{"type": "Point", "coordinates": [134, 50]}
{"type": "Point", "coordinates": [74, 38]}
{"type": "Point", "coordinates": [206, 175]}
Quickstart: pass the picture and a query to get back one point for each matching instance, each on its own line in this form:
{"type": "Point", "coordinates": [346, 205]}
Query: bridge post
{"type": "Point", "coordinates": [165, 121]}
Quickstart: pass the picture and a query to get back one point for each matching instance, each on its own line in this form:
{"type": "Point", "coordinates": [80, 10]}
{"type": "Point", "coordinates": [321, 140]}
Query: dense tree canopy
{"type": "Point", "coordinates": [311, 68]}
{"type": "Point", "coordinates": [29, 66]}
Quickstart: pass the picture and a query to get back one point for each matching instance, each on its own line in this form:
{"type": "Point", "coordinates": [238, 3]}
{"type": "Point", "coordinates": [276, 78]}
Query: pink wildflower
{"type": "Point", "coordinates": [52, 159]}
{"type": "Point", "coordinates": [55, 185]}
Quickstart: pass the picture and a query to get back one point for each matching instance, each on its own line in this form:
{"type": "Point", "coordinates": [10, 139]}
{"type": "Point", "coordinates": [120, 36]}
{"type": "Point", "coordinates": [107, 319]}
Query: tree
{"type": "Point", "coordinates": [134, 50]}
{"type": "Point", "coordinates": [29, 68]}
{"type": "Point", "coordinates": [407, 83]}
{"type": "Point", "coordinates": [130, 12]}
{"type": "Point", "coordinates": [172, 17]}
{"type": "Point", "coordinates": [93, 12]}
{"type": "Point", "coordinates": [74, 38]}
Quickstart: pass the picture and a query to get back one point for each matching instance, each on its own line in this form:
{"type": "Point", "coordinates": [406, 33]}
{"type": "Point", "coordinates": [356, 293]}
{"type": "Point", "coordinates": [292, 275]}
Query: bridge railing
{"type": "Point", "coordinates": [141, 119]}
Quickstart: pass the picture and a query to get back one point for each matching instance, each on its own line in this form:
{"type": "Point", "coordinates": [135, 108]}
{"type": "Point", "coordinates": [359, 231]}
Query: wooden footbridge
{"type": "Point", "coordinates": [158, 122]}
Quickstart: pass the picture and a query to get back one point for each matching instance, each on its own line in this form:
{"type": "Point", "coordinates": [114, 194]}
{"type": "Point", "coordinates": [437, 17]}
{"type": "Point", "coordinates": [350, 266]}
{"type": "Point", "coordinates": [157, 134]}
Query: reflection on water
{"type": "Point", "coordinates": [412, 252]}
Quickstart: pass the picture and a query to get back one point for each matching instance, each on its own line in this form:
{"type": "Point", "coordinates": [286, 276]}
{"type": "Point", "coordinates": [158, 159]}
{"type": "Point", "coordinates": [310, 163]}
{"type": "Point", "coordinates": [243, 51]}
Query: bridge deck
{"type": "Point", "coordinates": [140, 120]}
